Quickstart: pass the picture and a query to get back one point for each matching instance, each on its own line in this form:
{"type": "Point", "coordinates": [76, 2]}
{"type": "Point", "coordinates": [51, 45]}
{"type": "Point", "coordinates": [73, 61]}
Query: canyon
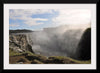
{"type": "Point", "coordinates": [55, 41]}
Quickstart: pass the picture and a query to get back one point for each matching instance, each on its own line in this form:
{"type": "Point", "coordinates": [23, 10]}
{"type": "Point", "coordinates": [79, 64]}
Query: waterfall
{"type": "Point", "coordinates": [55, 42]}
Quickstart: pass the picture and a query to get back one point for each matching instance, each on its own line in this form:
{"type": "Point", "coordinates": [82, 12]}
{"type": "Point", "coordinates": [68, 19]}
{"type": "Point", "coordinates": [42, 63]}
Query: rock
{"type": "Point", "coordinates": [37, 57]}
{"type": "Point", "coordinates": [20, 63]}
{"type": "Point", "coordinates": [19, 43]}
{"type": "Point", "coordinates": [60, 60]}
{"type": "Point", "coordinates": [36, 62]}
{"type": "Point", "coordinates": [29, 48]}
{"type": "Point", "coordinates": [21, 60]}
{"type": "Point", "coordinates": [84, 46]}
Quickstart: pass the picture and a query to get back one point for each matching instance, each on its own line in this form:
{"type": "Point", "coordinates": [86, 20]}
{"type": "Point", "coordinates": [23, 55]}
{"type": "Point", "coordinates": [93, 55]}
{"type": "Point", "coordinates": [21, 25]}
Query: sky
{"type": "Point", "coordinates": [36, 19]}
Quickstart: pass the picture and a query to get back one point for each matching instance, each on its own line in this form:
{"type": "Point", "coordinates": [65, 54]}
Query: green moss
{"type": "Point", "coordinates": [67, 60]}
{"type": "Point", "coordinates": [32, 56]}
{"type": "Point", "coordinates": [36, 62]}
{"type": "Point", "coordinates": [12, 53]}
{"type": "Point", "coordinates": [39, 59]}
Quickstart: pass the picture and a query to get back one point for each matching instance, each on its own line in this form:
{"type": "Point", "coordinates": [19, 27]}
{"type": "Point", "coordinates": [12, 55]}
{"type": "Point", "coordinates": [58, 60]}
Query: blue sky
{"type": "Point", "coordinates": [41, 20]}
{"type": "Point", "coordinates": [35, 19]}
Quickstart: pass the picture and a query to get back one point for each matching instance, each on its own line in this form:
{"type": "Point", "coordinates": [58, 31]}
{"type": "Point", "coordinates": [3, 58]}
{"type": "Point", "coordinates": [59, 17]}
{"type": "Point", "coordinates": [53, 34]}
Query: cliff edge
{"type": "Point", "coordinates": [19, 43]}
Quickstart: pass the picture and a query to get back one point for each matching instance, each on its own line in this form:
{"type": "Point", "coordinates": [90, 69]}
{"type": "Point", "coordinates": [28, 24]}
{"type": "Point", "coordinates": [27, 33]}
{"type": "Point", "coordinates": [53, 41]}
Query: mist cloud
{"type": "Point", "coordinates": [56, 41]}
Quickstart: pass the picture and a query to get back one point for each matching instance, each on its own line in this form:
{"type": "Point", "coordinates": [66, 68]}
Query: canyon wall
{"type": "Point", "coordinates": [19, 43]}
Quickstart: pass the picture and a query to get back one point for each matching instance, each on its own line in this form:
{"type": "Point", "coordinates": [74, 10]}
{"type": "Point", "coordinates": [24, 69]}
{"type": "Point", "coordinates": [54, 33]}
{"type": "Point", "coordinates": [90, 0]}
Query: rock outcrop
{"type": "Point", "coordinates": [19, 43]}
{"type": "Point", "coordinates": [84, 46]}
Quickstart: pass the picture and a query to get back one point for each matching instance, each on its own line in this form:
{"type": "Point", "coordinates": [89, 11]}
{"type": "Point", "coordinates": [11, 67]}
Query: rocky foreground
{"type": "Point", "coordinates": [20, 52]}
{"type": "Point", "coordinates": [31, 58]}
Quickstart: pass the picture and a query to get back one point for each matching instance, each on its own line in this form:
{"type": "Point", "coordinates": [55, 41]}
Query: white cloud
{"type": "Point", "coordinates": [32, 22]}
{"type": "Point", "coordinates": [18, 13]}
{"type": "Point", "coordinates": [40, 19]}
{"type": "Point", "coordinates": [25, 15]}
{"type": "Point", "coordinates": [14, 25]}
{"type": "Point", "coordinates": [78, 17]}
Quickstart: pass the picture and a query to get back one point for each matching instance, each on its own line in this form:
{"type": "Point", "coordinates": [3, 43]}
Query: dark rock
{"type": "Point", "coordinates": [37, 57]}
{"type": "Point", "coordinates": [31, 57]}
{"type": "Point", "coordinates": [29, 48]}
{"type": "Point", "coordinates": [36, 62]}
{"type": "Point", "coordinates": [84, 46]}
{"type": "Point", "coordinates": [20, 31]}
{"type": "Point", "coordinates": [21, 60]}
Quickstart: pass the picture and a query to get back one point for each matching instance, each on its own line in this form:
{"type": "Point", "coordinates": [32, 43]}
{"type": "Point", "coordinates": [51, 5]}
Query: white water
{"type": "Point", "coordinates": [55, 41]}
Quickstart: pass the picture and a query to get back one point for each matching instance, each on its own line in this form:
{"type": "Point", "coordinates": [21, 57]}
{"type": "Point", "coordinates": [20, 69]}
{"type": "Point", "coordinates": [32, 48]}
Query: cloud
{"type": "Point", "coordinates": [14, 25]}
{"type": "Point", "coordinates": [32, 22]}
{"type": "Point", "coordinates": [26, 15]}
{"type": "Point", "coordinates": [19, 13]}
{"type": "Point", "coordinates": [73, 17]}
{"type": "Point", "coordinates": [40, 19]}
{"type": "Point", "coordinates": [80, 17]}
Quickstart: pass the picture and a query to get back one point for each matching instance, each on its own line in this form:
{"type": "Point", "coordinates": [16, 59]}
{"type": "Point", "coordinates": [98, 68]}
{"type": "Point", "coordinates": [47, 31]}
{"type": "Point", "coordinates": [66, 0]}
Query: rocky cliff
{"type": "Point", "coordinates": [84, 46]}
{"type": "Point", "coordinates": [19, 43]}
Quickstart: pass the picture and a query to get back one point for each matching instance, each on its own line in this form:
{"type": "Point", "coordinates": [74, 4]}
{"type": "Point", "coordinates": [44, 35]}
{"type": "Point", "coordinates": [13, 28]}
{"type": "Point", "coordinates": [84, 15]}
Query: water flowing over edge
{"type": "Point", "coordinates": [55, 44]}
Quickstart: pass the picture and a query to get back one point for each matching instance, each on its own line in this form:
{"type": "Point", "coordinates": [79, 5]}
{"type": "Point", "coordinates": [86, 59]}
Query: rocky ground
{"type": "Point", "coordinates": [31, 58]}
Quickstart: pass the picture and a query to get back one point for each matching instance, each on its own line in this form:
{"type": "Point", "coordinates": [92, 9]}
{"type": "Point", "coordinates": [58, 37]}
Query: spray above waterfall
{"type": "Point", "coordinates": [55, 41]}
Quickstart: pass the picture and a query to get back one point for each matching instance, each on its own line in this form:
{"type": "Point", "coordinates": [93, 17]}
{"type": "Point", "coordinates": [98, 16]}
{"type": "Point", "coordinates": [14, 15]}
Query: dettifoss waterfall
{"type": "Point", "coordinates": [58, 41]}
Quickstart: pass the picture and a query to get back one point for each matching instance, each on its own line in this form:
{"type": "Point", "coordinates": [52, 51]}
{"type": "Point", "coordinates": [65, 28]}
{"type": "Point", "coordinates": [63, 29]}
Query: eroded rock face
{"type": "Point", "coordinates": [84, 46]}
{"type": "Point", "coordinates": [19, 43]}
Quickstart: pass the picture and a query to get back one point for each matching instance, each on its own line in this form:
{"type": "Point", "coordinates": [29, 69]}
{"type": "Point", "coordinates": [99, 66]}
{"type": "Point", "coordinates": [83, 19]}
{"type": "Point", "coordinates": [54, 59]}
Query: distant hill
{"type": "Point", "coordinates": [20, 31]}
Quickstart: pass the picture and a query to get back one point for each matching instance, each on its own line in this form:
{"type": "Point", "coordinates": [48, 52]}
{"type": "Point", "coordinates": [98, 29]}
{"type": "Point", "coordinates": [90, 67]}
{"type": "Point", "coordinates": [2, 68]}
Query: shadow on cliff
{"type": "Point", "coordinates": [84, 46]}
